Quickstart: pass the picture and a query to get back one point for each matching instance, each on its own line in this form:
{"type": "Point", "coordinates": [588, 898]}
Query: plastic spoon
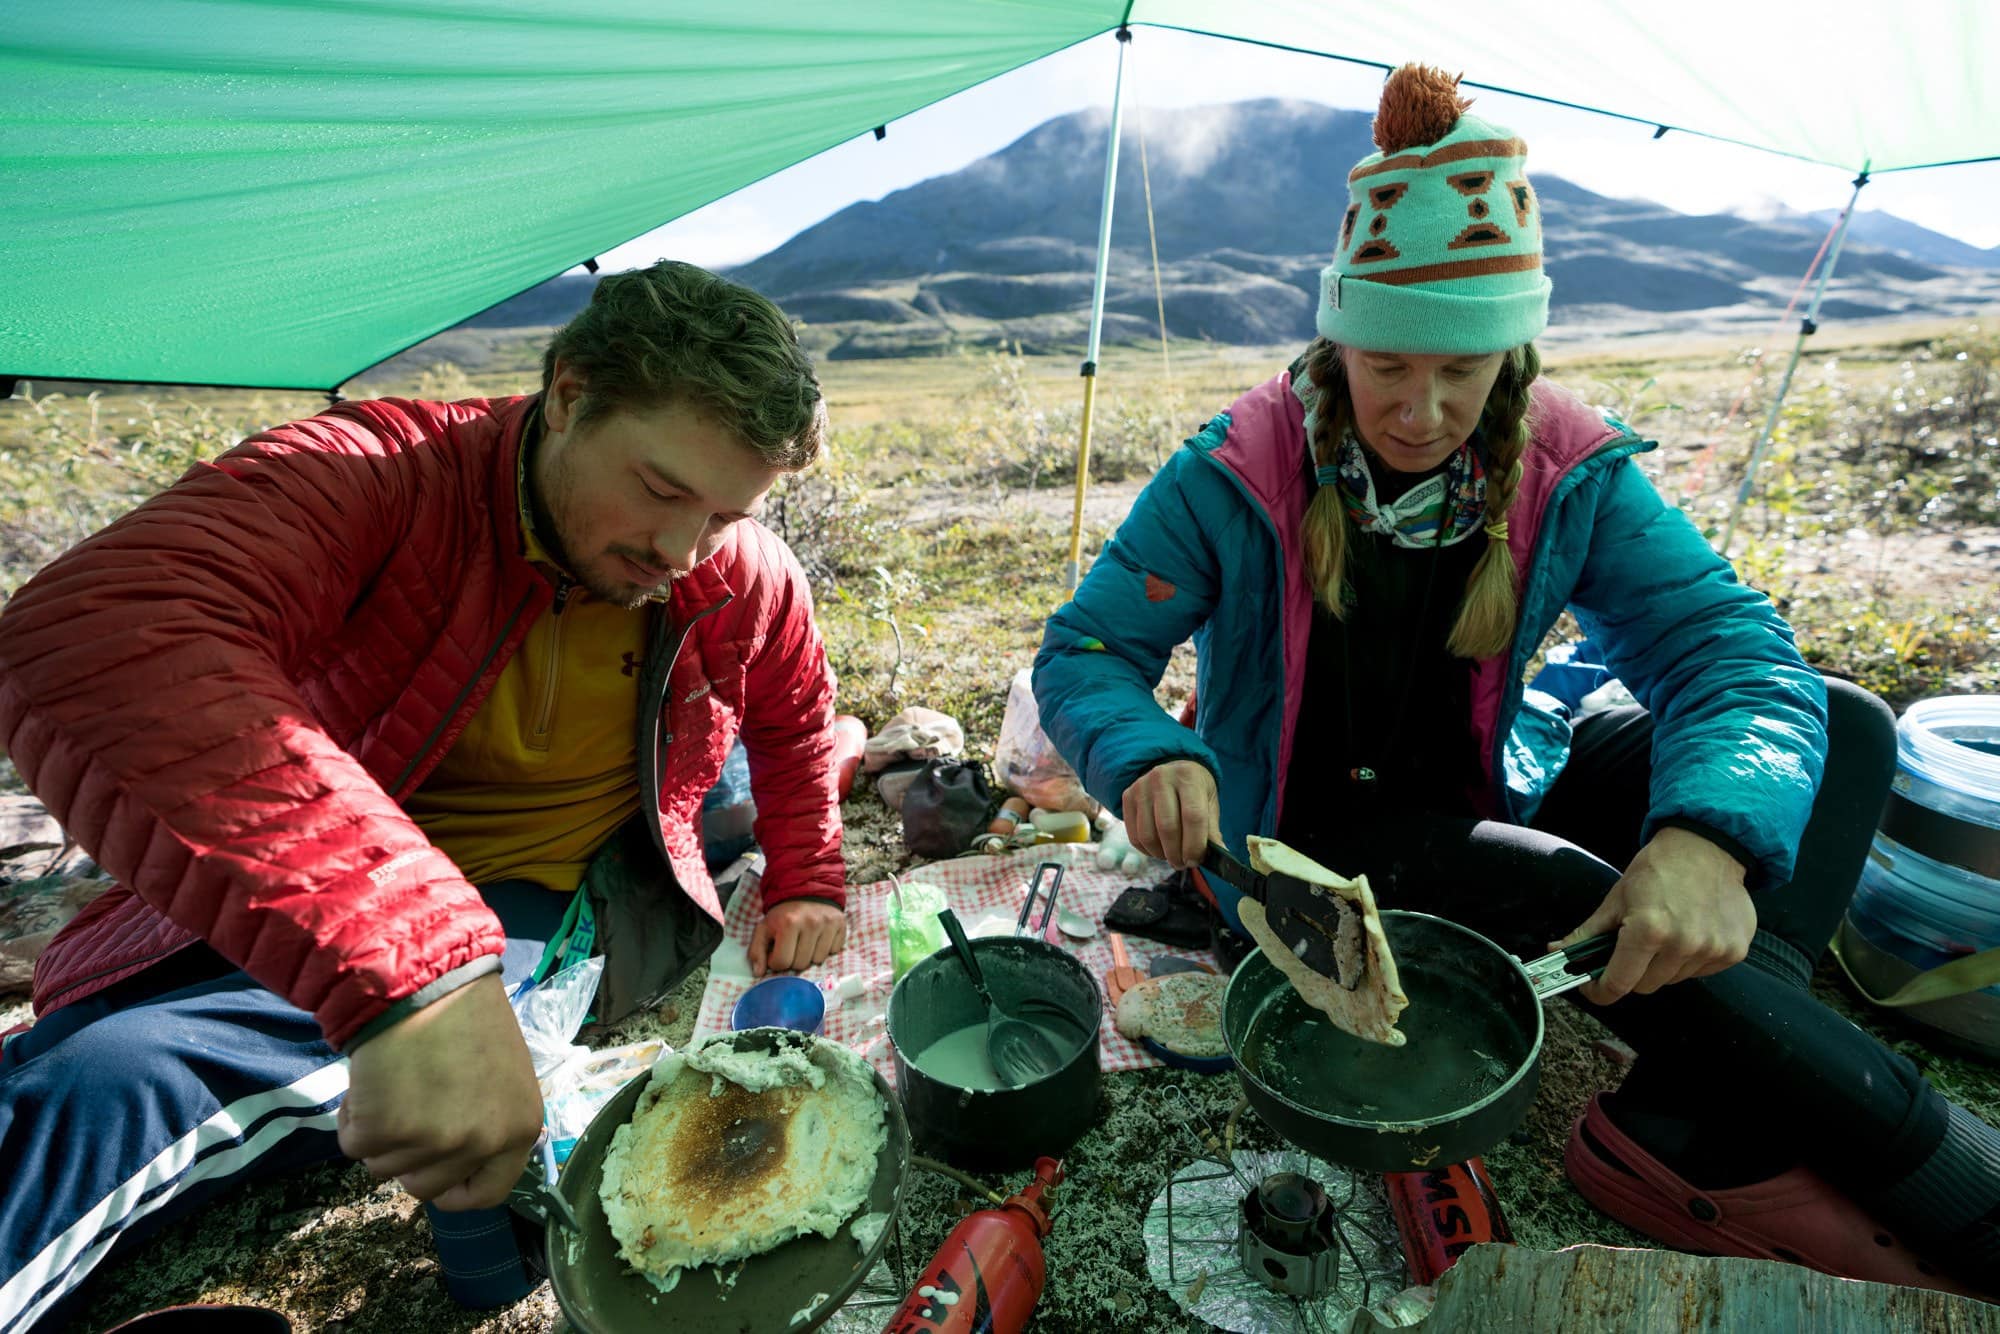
{"type": "Point", "coordinates": [1021, 1053]}
{"type": "Point", "coordinates": [1074, 924]}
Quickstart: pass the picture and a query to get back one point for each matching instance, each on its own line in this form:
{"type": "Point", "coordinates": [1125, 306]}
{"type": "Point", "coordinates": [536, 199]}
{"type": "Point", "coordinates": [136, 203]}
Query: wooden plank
{"type": "Point", "coordinates": [1603, 1289]}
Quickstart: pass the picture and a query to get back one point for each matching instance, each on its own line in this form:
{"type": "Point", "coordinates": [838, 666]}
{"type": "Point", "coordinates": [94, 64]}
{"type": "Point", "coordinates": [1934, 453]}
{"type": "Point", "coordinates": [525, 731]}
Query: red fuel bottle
{"type": "Point", "coordinates": [850, 735]}
{"type": "Point", "coordinates": [1442, 1213]}
{"type": "Point", "coordinates": [988, 1274]}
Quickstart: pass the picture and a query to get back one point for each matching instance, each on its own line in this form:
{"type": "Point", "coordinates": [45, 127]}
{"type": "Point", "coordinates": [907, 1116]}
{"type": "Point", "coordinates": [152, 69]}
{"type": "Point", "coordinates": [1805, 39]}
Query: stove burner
{"type": "Point", "coordinates": [1287, 1239]}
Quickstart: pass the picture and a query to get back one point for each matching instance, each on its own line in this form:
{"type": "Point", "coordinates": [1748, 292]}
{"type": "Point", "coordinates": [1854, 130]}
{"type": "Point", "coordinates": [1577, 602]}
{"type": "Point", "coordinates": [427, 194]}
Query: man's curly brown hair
{"type": "Point", "coordinates": [676, 333]}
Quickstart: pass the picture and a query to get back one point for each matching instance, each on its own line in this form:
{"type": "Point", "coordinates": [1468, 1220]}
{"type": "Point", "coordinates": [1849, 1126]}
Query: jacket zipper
{"type": "Point", "coordinates": [1263, 512]}
{"type": "Point", "coordinates": [538, 736]}
{"type": "Point", "coordinates": [1622, 445]}
{"type": "Point", "coordinates": [652, 709]}
{"type": "Point", "coordinates": [396, 792]}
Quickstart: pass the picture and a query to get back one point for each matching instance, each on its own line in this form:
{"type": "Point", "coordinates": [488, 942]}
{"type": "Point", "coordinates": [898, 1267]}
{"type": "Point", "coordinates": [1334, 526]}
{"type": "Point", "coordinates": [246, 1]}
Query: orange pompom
{"type": "Point", "coordinates": [1420, 104]}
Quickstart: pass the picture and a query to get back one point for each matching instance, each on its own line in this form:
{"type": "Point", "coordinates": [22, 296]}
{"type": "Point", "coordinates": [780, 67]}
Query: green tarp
{"type": "Point", "coordinates": [268, 193]}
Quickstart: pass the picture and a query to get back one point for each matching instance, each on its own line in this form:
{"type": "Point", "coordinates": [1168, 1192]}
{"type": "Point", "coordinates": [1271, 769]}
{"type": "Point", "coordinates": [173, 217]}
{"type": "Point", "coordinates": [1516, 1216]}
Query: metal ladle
{"type": "Point", "coordinates": [1021, 1052]}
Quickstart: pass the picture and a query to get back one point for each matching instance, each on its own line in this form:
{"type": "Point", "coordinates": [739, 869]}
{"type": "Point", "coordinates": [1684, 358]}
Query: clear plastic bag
{"type": "Point", "coordinates": [1025, 760]}
{"type": "Point", "coordinates": [575, 1080]}
{"type": "Point", "coordinates": [575, 1091]}
{"type": "Point", "coordinates": [551, 1011]}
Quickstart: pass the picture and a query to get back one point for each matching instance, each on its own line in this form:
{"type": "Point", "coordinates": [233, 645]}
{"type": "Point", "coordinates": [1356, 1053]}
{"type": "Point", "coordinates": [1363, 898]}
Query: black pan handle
{"type": "Point", "coordinates": [543, 1189]}
{"type": "Point", "coordinates": [1568, 968]}
{"type": "Point", "coordinates": [1220, 863]}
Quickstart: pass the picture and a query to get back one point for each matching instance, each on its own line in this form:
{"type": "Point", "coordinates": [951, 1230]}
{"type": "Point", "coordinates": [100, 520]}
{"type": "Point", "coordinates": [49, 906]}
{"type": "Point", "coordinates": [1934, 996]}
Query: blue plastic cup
{"type": "Point", "coordinates": [781, 1002]}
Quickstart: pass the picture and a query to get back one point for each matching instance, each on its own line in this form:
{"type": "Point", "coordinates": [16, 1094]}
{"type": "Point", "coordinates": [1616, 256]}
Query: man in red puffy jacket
{"type": "Point", "coordinates": [379, 713]}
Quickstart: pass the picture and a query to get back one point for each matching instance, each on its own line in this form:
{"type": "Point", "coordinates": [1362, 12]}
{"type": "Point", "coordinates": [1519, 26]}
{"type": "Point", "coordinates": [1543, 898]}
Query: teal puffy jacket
{"type": "Point", "coordinates": [1211, 550]}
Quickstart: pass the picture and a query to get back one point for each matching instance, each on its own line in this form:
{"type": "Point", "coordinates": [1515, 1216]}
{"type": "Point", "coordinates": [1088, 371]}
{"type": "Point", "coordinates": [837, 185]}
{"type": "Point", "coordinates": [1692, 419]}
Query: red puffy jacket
{"type": "Point", "coordinates": [223, 695]}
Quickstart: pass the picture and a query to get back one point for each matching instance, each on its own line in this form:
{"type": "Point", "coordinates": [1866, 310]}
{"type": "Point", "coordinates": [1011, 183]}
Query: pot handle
{"type": "Point", "coordinates": [547, 1192]}
{"type": "Point", "coordinates": [1571, 967]}
{"type": "Point", "coordinates": [1034, 890]}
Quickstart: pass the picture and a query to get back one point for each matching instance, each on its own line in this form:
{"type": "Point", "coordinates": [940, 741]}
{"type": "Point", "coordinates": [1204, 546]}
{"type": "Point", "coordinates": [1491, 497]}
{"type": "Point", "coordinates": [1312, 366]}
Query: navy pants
{"type": "Point", "coordinates": [129, 1108]}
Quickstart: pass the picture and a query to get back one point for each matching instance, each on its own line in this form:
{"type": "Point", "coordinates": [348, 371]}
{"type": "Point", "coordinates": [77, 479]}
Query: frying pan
{"type": "Point", "coordinates": [1465, 1078]}
{"type": "Point", "coordinates": [600, 1294]}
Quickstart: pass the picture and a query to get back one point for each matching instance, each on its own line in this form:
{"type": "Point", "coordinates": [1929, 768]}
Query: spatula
{"type": "Point", "coordinates": [1021, 1053]}
{"type": "Point", "coordinates": [1308, 918]}
{"type": "Point", "coordinates": [1123, 976]}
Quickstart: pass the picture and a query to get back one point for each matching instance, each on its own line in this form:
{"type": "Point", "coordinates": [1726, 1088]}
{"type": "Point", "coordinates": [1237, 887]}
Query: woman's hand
{"type": "Point", "coordinates": [1172, 812]}
{"type": "Point", "coordinates": [1680, 911]}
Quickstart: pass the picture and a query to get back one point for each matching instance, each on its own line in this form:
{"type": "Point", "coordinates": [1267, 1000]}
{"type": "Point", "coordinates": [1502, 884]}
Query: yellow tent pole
{"type": "Point", "coordinates": [1073, 572]}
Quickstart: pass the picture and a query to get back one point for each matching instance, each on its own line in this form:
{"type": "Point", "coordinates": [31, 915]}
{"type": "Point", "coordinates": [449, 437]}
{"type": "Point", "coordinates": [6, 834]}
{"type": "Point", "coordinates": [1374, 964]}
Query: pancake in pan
{"type": "Point", "coordinates": [731, 1153]}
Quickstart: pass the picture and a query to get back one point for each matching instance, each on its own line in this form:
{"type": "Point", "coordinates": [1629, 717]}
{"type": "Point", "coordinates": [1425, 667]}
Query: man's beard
{"type": "Point", "coordinates": [623, 591]}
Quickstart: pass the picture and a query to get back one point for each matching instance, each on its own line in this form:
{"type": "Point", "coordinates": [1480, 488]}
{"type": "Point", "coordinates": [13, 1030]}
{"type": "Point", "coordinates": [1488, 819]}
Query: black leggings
{"type": "Point", "coordinates": [1748, 1045]}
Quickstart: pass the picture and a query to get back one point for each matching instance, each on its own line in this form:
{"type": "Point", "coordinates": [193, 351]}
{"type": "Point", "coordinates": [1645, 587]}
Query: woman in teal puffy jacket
{"type": "Point", "coordinates": [1367, 550]}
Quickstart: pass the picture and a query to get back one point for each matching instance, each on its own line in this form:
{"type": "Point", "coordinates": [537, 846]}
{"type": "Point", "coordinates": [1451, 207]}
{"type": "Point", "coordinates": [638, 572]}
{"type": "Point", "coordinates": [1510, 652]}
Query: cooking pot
{"type": "Point", "coordinates": [999, 1129]}
{"type": "Point", "coordinates": [1464, 1079]}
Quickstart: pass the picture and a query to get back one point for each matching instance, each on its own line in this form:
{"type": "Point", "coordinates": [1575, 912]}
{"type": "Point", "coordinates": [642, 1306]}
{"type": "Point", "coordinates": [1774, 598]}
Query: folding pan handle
{"type": "Point", "coordinates": [1048, 904]}
{"type": "Point", "coordinates": [1569, 968]}
{"type": "Point", "coordinates": [542, 1190]}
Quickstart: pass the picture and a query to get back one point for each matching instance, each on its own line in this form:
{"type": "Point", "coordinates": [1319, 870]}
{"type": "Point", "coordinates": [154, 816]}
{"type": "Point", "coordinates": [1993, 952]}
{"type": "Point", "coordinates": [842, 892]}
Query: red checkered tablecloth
{"type": "Point", "coordinates": [977, 888]}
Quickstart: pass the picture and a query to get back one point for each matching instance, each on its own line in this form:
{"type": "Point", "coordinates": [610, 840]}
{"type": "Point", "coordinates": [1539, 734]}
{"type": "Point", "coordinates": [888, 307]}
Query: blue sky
{"type": "Point", "coordinates": [1167, 68]}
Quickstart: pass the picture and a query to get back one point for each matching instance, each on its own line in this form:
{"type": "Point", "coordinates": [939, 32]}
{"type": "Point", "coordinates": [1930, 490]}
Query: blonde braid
{"type": "Point", "coordinates": [1485, 624]}
{"type": "Point", "coordinates": [1325, 525]}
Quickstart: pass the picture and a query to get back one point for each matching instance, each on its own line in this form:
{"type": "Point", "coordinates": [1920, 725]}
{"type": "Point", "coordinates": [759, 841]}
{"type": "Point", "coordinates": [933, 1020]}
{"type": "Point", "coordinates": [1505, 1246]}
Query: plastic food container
{"type": "Point", "coordinates": [1930, 889]}
{"type": "Point", "coordinates": [914, 930]}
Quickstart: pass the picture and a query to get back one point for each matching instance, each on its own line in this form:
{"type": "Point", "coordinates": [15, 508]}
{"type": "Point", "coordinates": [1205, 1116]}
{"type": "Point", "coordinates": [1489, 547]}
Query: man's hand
{"type": "Point", "coordinates": [796, 934]}
{"type": "Point", "coordinates": [1172, 812]}
{"type": "Point", "coordinates": [446, 1100]}
{"type": "Point", "coordinates": [1680, 910]}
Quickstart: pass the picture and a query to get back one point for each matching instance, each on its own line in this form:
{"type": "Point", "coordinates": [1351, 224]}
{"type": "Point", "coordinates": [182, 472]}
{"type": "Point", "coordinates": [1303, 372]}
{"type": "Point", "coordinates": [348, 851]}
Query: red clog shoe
{"type": "Point", "coordinates": [1797, 1216]}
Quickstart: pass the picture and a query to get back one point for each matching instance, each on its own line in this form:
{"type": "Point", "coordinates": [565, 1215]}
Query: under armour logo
{"type": "Point", "coordinates": [631, 667]}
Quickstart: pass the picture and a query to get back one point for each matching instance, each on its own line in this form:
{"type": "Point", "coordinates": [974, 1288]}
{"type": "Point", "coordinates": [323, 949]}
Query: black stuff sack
{"type": "Point", "coordinates": [948, 804]}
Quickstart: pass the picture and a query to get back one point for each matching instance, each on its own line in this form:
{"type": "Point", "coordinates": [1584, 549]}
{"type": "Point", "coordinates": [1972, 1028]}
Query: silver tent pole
{"type": "Point", "coordinates": [1071, 572]}
{"type": "Point", "coordinates": [1807, 327]}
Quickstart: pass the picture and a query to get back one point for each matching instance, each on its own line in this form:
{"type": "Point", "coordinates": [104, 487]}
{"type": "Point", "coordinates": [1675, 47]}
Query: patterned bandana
{"type": "Point", "coordinates": [1412, 519]}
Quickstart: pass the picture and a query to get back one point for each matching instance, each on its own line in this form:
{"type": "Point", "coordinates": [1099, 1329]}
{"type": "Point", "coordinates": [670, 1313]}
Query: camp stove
{"type": "Point", "coordinates": [1274, 1239]}
{"type": "Point", "coordinates": [1286, 1238]}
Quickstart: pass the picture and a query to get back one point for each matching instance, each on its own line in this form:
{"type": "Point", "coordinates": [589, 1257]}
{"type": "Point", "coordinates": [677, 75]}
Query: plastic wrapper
{"type": "Point", "coordinates": [576, 1090]}
{"type": "Point", "coordinates": [575, 1080]}
{"type": "Point", "coordinates": [1026, 761]}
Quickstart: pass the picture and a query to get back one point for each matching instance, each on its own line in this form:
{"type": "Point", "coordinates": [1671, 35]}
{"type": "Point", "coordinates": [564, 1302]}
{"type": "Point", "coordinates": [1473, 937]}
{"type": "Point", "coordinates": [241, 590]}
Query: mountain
{"type": "Point", "coordinates": [1886, 231]}
{"type": "Point", "coordinates": [1246, 198]}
